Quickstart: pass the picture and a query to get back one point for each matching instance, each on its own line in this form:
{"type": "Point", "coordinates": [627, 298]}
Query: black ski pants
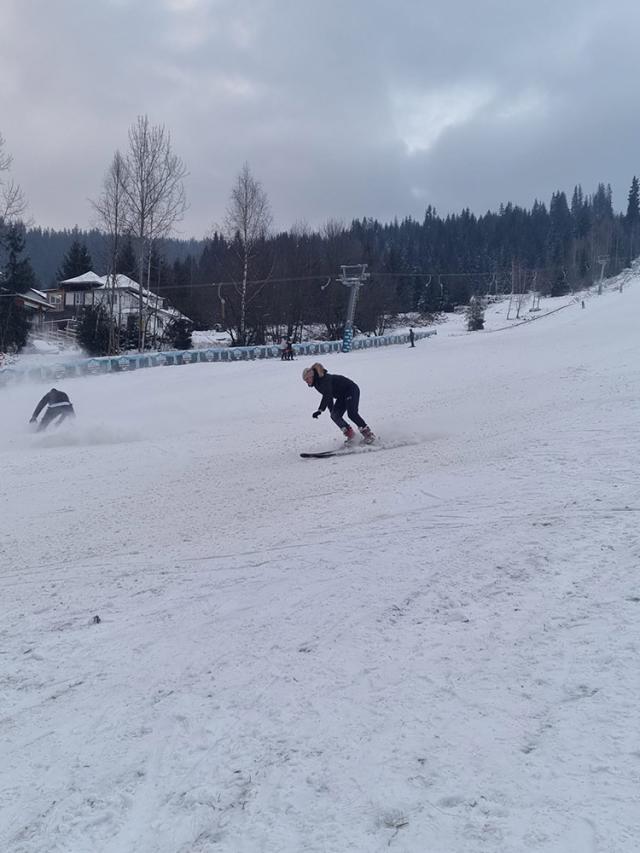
{"type": "Point", "coordinates": [348, 404]}
{"type": "Point", "coordinates": [55, 413]}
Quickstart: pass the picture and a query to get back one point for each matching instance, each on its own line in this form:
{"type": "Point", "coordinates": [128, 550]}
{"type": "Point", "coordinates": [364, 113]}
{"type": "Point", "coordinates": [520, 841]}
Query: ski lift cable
{"type": "Point", "coordinates": [315, 278]}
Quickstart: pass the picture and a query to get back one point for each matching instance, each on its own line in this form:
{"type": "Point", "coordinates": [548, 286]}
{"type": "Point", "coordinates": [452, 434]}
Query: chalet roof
{"type": "Point", "coordinates": [37, 297]}
{"type": "Point", "coordinates": [123, 282]}
{"type": "Point", "coordinates": [87, 279]}
{"type": "Point", "coordinates": [32, 298]}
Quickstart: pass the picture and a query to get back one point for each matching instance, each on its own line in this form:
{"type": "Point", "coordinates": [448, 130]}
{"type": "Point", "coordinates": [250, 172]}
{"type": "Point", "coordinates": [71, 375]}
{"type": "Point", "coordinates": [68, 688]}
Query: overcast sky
{"type": "Point", "coordinates": [342, 108]}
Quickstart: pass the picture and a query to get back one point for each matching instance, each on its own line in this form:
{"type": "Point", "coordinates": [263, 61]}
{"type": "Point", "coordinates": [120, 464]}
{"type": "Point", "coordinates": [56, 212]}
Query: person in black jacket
{"type": "Point", "coordinates": [58, 409]}
{"type": "Point", "coordinates": [287, 352]}
{"type": "Point", "coordinates": [339, 395]}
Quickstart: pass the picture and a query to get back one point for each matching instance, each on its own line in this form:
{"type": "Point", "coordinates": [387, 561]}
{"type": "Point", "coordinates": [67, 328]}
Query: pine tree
{"type": "Point", "coordinates": [632, 219]}
{"type": "Point", "coordinates": [131, 333]}
{"type": "Point", "coordinates": [16, 277]}
{"type": "Point", "coordinates": [559, 242]}
{"type": "Point", "coordinates": [178, 333]}
{"type": "Point", "coordinates": [475, 314]}
{"type": "Point", "coordinates": [14, 324]}
{"type": "Point", "coordinates": [93, 330]}
{"type": "Point", "coordinates": [602, 203]}
{"type": "Point", "coordinates": [77, 261]}
{"type": "Point", "coordinates": [581, 213]}
{"type": "Point", "coordinates": [126, 264]}
{"type": "Point", "coordinates": [633, 206]}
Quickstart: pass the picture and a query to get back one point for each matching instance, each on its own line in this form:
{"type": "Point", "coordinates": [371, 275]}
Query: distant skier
{"type": "Point", "coordinates": [59, 408]}
{"type": "Point", "coordinates": [287, 352]}
{"type": "Point", "coordinates": [339, 395]}
{"type": "Point", "coordinates": [412, 338]}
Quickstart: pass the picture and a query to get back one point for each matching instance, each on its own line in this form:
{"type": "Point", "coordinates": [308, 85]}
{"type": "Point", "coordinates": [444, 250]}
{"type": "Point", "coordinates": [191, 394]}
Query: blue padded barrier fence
{"type": "Point", "coordinates": [135, 361]}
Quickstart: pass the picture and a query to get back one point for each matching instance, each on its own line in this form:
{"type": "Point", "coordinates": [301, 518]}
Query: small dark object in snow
{"type": "Point", "coordinates": [96, 620]}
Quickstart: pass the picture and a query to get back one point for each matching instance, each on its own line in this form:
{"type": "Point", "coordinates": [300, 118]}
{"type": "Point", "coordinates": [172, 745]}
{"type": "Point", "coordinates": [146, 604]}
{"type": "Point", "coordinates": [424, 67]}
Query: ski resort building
{"type": "Point", "coordinates": [117, 293]}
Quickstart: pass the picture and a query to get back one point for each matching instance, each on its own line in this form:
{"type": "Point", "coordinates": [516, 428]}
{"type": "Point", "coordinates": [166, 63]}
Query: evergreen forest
{"type": "Point", "coordinates": [415, 266]}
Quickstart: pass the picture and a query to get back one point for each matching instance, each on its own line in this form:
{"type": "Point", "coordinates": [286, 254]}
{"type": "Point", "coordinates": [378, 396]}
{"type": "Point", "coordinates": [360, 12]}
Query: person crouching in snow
{"type": "Point", "coordinates": [339, 395]}
{"type": "Point", "coordinates": [58, 409]}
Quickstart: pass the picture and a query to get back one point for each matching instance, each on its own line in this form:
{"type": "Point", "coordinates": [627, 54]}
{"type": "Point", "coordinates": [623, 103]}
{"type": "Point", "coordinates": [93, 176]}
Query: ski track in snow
{"type": "Point", "coordinates": [430, 648]}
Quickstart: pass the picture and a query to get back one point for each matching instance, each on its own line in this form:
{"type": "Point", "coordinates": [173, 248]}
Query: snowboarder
{"type": "Point", "coordinates": [58, 409]}
{"type": "Point", "coordinates": [339, 395]}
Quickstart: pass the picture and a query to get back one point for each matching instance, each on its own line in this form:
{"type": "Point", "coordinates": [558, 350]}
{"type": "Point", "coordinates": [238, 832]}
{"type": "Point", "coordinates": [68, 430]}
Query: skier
{"type": "Point", "coordinates": [58, 409]}
{"type": "Point", "coordinates": [287, 352]}
{"type": "Point", "coordinates": [339, 395]}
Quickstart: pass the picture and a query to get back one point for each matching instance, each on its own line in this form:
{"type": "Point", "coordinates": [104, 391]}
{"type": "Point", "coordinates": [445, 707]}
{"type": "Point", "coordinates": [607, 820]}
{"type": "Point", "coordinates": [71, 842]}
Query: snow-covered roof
{"type": "Point", "coordinates": [173, 313]}
{"type": "Point", "coordinates": [87, 278]}
{"type": "Point", "coordinates": [122, 282]}
{"type": "Point", "coordinates": [32, 297]}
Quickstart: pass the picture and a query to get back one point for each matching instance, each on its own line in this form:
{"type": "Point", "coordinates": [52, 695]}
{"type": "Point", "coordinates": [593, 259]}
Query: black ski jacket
{"type": "Point", "coordinates": [333, 387]}
{"type": "Point", "coordinates": [52, 398]}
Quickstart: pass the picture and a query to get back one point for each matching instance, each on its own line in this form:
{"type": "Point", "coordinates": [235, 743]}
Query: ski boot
{"type": "Point", "coordinates": [367, 436]}
{"type": "Point", "coordinates": [349, 435]}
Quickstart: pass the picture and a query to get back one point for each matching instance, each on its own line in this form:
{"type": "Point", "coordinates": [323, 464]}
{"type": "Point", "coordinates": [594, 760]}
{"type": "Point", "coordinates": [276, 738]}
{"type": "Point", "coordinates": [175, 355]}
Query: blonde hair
{"type": "Point", "coordinates": [319, 369]}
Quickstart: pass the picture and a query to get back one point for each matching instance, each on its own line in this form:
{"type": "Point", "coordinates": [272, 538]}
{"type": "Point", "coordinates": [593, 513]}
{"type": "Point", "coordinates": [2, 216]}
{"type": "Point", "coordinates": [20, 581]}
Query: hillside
{"type": "Point", "coordinates": [429, 647]}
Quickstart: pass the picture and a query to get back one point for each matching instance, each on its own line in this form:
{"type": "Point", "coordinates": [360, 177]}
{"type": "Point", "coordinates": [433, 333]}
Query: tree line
{"type": "Point", "coordinates": [427, 266]}
{"type": "Point", "coordinates": [422, 266]}
{"type": "Point", "coordinates": [262, 285]}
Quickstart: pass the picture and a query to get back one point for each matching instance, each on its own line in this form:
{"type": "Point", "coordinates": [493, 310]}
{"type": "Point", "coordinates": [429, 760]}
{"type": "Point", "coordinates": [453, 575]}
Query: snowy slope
{"type": "Point", "coordinates": [433, 647]}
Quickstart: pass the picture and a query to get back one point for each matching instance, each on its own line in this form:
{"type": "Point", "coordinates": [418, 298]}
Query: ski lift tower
{"type": "Point", "coordinates": [353, 277]}
{"type": "Point", "coordinates": [602, 260]}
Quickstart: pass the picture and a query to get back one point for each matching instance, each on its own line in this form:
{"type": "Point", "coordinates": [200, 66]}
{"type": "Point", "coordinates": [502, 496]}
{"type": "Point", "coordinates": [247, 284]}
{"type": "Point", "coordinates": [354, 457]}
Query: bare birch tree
{"type": "Point", "coordinates": [12, 202]}
{"type": "Point", "coordinates": [111, 213]}
{"type": "Point", "coordinates": [246, 225]}
{"type": "Point", "coordinates": [155, 194]}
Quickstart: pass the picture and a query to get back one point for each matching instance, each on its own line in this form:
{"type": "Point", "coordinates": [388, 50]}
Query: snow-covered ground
{"type": "Point", "coordinates": [211, 338]}
{"type": "Point", "coordinates": [432, 647]}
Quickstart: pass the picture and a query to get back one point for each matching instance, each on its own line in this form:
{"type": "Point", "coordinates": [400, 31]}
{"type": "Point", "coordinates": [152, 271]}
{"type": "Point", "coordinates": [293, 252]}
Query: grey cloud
{"type": "Point", "coordinates": [364, 108]}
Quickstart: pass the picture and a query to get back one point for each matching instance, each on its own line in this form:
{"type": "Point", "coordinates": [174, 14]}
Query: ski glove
{"type": "Point", "coordinates": [316, 414]}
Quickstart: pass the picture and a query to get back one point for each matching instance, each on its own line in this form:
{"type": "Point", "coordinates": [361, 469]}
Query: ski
{"type": "Point", "coordinates": [340, 451]}
{"type": "Point", "coordinates": [323, 454]}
